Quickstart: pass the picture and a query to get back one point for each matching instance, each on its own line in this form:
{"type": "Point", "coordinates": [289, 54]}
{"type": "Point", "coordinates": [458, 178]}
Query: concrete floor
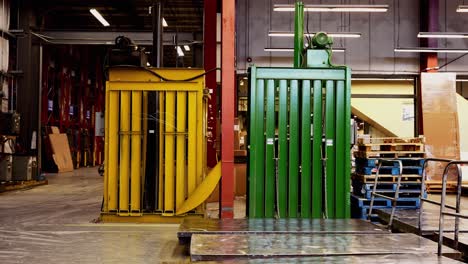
{"type": "Point", "coordinates": [55, 224]}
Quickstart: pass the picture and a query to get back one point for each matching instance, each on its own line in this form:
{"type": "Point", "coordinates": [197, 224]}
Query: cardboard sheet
{"type": "Point", "coordinates": [61, 152]}
{"type": "Point", "coordinates": [440, 120]}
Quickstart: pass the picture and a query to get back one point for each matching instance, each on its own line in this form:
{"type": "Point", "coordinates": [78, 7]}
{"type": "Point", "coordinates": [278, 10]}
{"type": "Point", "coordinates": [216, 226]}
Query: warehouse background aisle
{"type": "Point", "coordinates": [55, 224]}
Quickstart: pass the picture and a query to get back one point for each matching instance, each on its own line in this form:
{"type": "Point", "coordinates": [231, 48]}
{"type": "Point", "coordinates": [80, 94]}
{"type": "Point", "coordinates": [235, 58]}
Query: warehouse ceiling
{"type": "Point", "coordinates": [184, 18]}
{"type": "Point", "coordinates": [123, 15]}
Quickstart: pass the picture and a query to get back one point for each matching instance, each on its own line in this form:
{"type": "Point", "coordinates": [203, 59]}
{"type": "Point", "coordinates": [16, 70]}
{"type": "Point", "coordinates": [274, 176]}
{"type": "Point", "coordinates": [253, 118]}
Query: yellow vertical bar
{"type": "Point", "coordinates": [113, 143]}
{"type": "Point", "coordinates": [180, 156]}
{"type": "Point", "coordinates": [191, 145]}
{"type": "Point", "coordinates": [145, 129]}
{"type": "Point", "coordinates": [169, 152]}
{"type": "Point", "coordinates": [106, 154]}
{"type": "Point", "coordinates": [124, 150]}
{"type": "Point", "coordinates": [161, 121]}
{"type": "Point", "coordinates": [200, 138]}
{"type": "Point", "coordinates": [136, 151]}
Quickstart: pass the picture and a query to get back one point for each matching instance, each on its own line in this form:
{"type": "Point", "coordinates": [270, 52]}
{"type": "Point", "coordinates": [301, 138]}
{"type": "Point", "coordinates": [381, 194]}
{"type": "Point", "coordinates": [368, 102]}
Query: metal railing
{"type": "Point", "coordinates": [443, 212]}
{"type": "Point", "coordinates": [423, 190]}
{"type": "Point", "coordinates": [397, 191]}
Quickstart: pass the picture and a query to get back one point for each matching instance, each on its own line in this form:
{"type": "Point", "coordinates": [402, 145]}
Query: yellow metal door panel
{"type": "Point", "coordinates": [106, 156]}
{"type": "Point", "coordinates": [192, 141]}
{"type": "Point", "coordinates": [113, 134]}
{"type": "Point", "coordinates": [136, 151]}
{"type": "Point", "coordinates": [180, 156]}
{"type": "Point", "coordinates": [145, 140]}
{"type": "Point", "coordinates": [124, 168]}
{"type": "Point", "coordinates": [169, 153]}
{"type": "Point", "coordinates": [200, 139]}
{"type": "Point", "coordinates": [161, 150]}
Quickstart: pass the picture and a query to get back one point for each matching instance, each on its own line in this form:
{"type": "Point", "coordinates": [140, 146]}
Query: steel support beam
{"type": "Point", "coordinates": [209, 55]}
{"type": "Point", "coordinates": [107, 38]}
{"type": "Point", "coordinates": [227, 108]}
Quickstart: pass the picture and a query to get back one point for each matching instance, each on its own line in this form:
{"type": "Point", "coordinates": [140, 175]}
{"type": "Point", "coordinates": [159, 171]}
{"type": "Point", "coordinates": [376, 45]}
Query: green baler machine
{"type": "Point", "coordinates": [299, 134]}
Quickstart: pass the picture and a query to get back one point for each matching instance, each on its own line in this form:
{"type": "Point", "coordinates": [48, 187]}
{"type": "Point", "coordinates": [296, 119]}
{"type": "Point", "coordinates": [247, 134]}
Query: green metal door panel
{"type": "Point", "coordinates": [293, 149]}
{"type": "Point", "coordinates": [270, 151]}
{"type": "Point", "coordinates": [330, 147]}
{"type": "Point", "coordinates": [283, 148]}
{"type": "Point", "coordinates": [347, 158]}
{"type": "Point", "coordinates": [259, 173]}
{"type": "Point", "coordinates": [305, 184]}
{"type": "Point", "coordinates": [340, 150]}
{"type": "Point", "coordinates": [252, 165]}
{"type": "Point", "coordinates": [317, 151]}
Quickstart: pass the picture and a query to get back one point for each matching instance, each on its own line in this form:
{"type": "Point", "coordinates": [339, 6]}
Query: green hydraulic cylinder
{"type": "Point", "coordinates": [298, 34]}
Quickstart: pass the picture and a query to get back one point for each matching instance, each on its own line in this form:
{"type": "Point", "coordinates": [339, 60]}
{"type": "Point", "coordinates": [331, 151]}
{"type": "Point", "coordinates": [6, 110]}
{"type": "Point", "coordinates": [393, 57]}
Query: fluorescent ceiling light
{"type": "Point", "coordinates": [179, 51]}
{"type": "Point", "coordinates": [331, 34]}
{"type": "Point", "coordinates": [292, 50]}
{"type": "Point", "coordinates": [431, 50]}
{"type": "Point", "coordinates": [164, 22]}
{"type": "Point", "coordinates": [98, 16]}
{"type": "Point", "coordinates": [443, 35]}
{"type": "Point", "coordinates": [186, 47]}
{"type": "Point", "coordinates": [462, 8]}
{"type": "Point", "coordinates": [334, 8]}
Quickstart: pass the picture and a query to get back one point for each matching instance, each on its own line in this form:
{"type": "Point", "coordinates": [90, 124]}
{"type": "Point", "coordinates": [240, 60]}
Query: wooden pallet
{"type": "Point", "coordinates": [387, 178]}
{"type": "Point", "coordinates": [436, 186]}
{"type": "Point", "coordinates": [394, 147]}
{"type": "Point", "coordinates": [390, 140]}
{"type": "Point", "coordinates": [389, 154]}
{"type": "Point", "coordinates": [20, 185]}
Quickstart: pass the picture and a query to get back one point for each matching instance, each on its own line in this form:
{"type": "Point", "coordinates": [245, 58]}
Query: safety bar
{"type": "Point", "coordinates": [396, 196]}
{"type": "Point", "coordinates": [423, 189]}
{"type": "Point", "coordinates": [457, 215]}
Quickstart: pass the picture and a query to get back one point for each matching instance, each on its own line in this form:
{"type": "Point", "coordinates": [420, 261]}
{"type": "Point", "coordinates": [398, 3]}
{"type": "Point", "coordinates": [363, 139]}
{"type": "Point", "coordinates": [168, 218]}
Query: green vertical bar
{"type": "Point", "coordinates": [270, 151]}
{"type": "Point", "coordinates": [347, 143]}
{"type": "Point", "coordinates": [260, 150]}
{"type": "Point", "coordinates": [293, 149]}
{"type": "Point", "coordinates": [252, 179]}
{"type": "Point", "coordinates": [306, 184]}
{"type": "Point", "coordinates": [316, 151]}
{"type": "Point", "coordinates": [330, 147]}
{"type": "Point", "coordinates": [283, 148]}
{"type": "Point", "coordinates": [340, 191]}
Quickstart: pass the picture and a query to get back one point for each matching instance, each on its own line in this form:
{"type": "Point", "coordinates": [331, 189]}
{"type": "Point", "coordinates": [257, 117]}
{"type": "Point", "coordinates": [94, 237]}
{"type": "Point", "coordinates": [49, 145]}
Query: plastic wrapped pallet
{"type": "Point", "coordinates": [4, 54]}
{"type": "Point", "coordinates": [5, 15]}
{"type": "Point", "coordinates": [440, 120]}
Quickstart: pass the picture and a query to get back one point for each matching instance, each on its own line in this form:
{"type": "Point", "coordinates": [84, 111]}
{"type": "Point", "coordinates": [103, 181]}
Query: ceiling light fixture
{"type": "Point", "coordinates": [186, 47]}
{"type": "Point", "coordinates": [331, 34]}
{"type": "Point", "coordinates": [334, 8]}
{"type": "Point", "coordinates": [462, 8]}
{"type": "Point", "coordinates": [99, 17]}
{"type": "Point", "coordinates": [179, 51]}
{"type": "Point", "coordinates": [431, 50]}
{"type": "Point", "coordinates": [443, 35]}
{"type": "Point", "coordinates": [164, 22]}
{"type": "Point", "coordinates": [292, 50]}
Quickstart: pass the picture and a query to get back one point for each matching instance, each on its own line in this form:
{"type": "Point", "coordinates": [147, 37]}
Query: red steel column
{"type": "Point", "coordinates": [429, 22]}
{"type": "Point", "coordinates": [227, 108]}
{"type": "Point", "coordinates": [209, 60]}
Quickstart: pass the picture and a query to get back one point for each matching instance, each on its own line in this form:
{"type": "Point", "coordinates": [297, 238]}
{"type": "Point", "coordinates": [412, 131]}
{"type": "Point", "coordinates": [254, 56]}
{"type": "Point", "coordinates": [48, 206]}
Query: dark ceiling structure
{"type": "Point", "coordinates": [123, 15]}
{"type": "Point", "coordinates": [184, 18]}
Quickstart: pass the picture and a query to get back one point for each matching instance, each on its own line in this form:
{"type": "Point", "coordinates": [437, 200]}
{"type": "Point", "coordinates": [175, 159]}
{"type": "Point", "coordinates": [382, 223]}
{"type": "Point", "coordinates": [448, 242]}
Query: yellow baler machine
{"type": "Point", "coordinates": [182, 182]}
